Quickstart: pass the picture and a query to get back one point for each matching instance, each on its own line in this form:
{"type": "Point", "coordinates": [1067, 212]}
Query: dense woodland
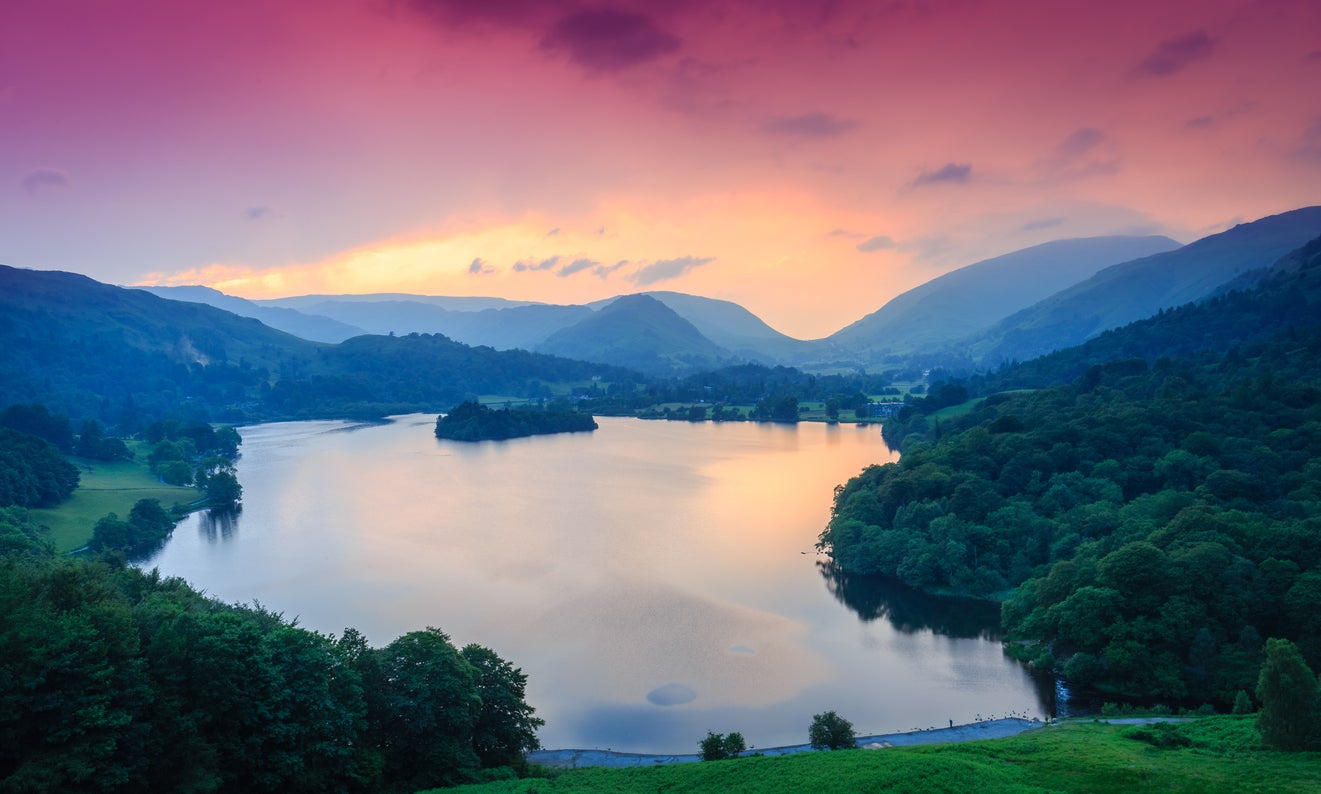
{"type": "Point", "coordinates": [470, 421]}
{"type": "Point", "coordinates": [116, 679]}
{"type": "Point", "coordinates": [1158, 521]}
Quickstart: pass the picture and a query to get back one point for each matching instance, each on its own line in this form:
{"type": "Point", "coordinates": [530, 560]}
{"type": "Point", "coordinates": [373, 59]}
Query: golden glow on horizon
{"type": "Point", "coordinates": [767, 250]}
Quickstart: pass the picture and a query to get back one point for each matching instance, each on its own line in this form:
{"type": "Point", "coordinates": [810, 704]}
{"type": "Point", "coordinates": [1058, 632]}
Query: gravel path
{"type": "Point", "coordinates": [989, 729]}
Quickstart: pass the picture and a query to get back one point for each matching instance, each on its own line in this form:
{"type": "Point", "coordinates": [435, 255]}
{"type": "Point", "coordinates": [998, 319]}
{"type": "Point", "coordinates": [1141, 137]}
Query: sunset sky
{"type": "Point", "coordinates": [809, 160]}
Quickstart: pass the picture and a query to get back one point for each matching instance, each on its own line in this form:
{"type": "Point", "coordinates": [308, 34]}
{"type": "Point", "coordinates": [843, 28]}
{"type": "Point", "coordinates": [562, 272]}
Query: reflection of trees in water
{"type": "Point", "coordinates": [909, 610]}
{"type": "Point", "coordinates": [220, 525]}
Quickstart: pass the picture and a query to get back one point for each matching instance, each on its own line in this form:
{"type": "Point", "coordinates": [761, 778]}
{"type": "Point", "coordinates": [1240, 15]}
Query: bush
{"type": "Point", "coordinates": [1160, 734]}
{"type": "Point", "coordinates": [830, 731]}
{"type": "Point", "coordinates": [717, 747]}
{"type": "Point", "coordinates": [1242, 703]}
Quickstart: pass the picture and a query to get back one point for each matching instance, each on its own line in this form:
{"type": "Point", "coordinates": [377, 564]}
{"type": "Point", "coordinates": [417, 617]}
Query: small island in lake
{"type": "Point", "coordinates": [470, 421]}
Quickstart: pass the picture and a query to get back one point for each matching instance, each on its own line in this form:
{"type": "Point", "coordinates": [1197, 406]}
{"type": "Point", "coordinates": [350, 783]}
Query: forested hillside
{"type": "Point", "coordinates": [115, 679]}
{"type": "Point", "coordinates": [1133, 290]}
{"type": "Point", "coordinates": [127, 357]}
{"type": "Point", "coordinates": [1158, 521]}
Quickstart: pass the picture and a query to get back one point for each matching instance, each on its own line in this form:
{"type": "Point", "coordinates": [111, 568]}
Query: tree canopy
{"type": "Point", "coordinates": [470, 421]}
{"type": "Point", "coordinates": [1149, 523]}
{"type": "Point", "coordinates": [116, 679]}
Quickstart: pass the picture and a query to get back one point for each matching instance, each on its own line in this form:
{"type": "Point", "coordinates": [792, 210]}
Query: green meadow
{"type": "Point", "coordinates": [1215, 754]}
{"type": "Point", "coordinates": [107, 488]}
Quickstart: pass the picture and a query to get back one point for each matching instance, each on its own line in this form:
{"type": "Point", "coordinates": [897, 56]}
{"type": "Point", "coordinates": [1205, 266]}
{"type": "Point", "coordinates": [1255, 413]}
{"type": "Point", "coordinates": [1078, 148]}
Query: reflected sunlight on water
{"type": "Point", "coordinates": [654, 579]}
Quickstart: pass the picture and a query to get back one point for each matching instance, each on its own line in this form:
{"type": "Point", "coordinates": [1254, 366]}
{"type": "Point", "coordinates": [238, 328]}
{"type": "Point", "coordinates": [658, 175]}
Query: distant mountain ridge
{"type": "Point", "coordinates": [1134, 290]}
{"type": "Point", "coordinates": [973, 298]}
{"type": "Point", "coordinates": [1012, 307]}
{"type": "Point", "coordinates": [90, 349]}
{"type": "Point", "coordinates": [313, 327]}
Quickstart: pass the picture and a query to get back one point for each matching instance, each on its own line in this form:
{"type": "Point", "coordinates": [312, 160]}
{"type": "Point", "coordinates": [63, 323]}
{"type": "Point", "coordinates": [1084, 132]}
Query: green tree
{"type": "Point", "coordinates": [829, 731]}
{"type": "Point", "coordinates": [425, 712]}
{"type": "Point", "coordinates": [1242, 703]}
{"type": "Point", "coordinates": [1287, 692]}
{"type": "Point", "coordinates": [506, 727]}
{"type": "Point", "coordinates": [718, 747]}
{"type": "Point", "coordinates": [223, 490]}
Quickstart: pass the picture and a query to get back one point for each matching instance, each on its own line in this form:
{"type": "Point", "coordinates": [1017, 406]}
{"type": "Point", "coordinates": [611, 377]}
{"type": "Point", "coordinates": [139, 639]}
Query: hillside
{"type": "Point", "coordinates": [92, 350]}
{"type": "Point", "coordinates": [731, 326]}
{"type": "Point", "coordinates": [89, 349]}
{"type": "Point", "coordinates": [457, 304]}
{"type": "Point", "coordinates": [638, 332]}
{"type": "Point", "coordinates": [1217, 755]}
{"type": "Point", "coordinates": [1107, 504]}
{"type": "Point", "coordinates": [1286, 295]}
{"type": "Point", "coordinates": [973, 298]}
{"type": "Point", "coordinates": [313, 327]}
{"type": "Point", "coordinates": [503, 328]}
{"type": "Point", "coordinates": [1133, 290]}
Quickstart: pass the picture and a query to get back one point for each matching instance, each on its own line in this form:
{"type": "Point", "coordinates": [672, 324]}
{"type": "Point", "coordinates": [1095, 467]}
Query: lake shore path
{"type": "Point", "coordinates": [986, 729]}
{"type": "Point", "coordinates": [975, 731]}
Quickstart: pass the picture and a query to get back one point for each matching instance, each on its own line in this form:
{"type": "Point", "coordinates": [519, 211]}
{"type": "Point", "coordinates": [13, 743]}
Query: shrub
{"type": "Point", "coordinates": [717, 747]}
{"type": "Point", "coordinates": [830, 731]}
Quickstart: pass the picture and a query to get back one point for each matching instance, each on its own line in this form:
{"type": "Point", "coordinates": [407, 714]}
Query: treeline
{"type": "Point", "coordinates": [1158, 522]}
{"type": "Point", "coordinates": [33, 471]}
{"type": "Point", "coordinates": [773, 392]}
{"type": "Point", "coordinates": [115, 679]}
{"type": "Point", "coordinates": [470, 421]}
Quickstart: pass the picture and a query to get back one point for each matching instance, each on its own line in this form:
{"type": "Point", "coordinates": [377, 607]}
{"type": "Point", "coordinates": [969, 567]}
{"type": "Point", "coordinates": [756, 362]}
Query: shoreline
{"type": "Point", "coordinates": [975, 731]}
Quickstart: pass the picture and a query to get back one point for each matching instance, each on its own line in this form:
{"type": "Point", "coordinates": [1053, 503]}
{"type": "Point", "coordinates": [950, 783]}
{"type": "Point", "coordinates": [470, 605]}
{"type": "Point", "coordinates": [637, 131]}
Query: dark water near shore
{"type": "Point", "coordinates": [655, 580]}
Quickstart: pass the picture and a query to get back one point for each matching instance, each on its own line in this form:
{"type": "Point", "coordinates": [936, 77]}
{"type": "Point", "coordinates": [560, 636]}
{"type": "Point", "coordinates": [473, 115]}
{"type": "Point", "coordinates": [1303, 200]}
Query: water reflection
{"type": "Point", "coordinates": [655, 580]}
{"type": "Point", "coordinates": [909, 610]}
{"type": "Point", "coordinates": [219, 526]}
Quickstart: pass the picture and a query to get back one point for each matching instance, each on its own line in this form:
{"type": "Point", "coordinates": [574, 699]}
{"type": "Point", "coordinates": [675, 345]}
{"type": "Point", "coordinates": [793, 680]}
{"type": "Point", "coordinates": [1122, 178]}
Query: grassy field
{"type": "Point", "coordinates": [1222, 755]}
{"type": "Point", "coordinates": [107, 488]}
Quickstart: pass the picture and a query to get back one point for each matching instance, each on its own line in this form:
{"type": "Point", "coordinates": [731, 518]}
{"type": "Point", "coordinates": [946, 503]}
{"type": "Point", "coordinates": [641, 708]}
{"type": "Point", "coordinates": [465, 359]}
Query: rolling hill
{"type": "Point", "coordinates": [745, 335]}
{"type": "Point", "coordinates": [312, 327]}
{"type": "Point", "coordinates": [1133, 290]}
{"type": "Point", "coordinates": [973, 298]}
{"type": "Point", "coordinates": [638, 332]}
{"type": "Point", "coordinates": [91, 350]}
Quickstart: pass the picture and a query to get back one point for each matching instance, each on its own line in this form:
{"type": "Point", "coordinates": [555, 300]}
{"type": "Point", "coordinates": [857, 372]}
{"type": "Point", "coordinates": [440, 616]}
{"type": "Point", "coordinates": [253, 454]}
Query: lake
{"type": "Point", "coordinates": [655, 580]}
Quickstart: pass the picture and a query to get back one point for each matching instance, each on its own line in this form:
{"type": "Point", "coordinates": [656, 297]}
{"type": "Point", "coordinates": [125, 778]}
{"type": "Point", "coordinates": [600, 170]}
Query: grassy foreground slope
{"type": "Point", "coordinates": [1221, 755]}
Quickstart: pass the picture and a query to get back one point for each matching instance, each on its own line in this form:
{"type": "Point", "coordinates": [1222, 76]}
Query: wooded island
{"type": "Point", "coordinates": [470, 421]}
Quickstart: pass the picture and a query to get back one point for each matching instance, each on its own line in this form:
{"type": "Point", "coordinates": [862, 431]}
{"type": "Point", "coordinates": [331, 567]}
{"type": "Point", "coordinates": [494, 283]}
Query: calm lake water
{"type": "Point", "coordinates": [655, 580]}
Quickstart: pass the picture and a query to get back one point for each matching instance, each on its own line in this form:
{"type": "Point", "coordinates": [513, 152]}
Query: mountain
{"type": "Point", "coordinates": [465, 304]}
{"type": "Point", "coordinates": [523, 327]}
{"type": "Point", "coordinates": [973, 298]}
{"type": "Point", "coordinates": [91, 350]}
{"type": "Point", "coordinates": [87, 348]}
{"type": "Point", "coordinates": [514, 326]}
{"type": "Point", "coordinates": [638, 332]}
{"type": "Point", "coordinates": [730, 326]}
{"type": "Point", "coordinates": [313, 327]}
{"type": "Point", "coordinates": [1133, 290]}
{"type": "Point", "coordinates": [1285, 298]}
{"type": "Point", "coordinates": [506, 325]}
